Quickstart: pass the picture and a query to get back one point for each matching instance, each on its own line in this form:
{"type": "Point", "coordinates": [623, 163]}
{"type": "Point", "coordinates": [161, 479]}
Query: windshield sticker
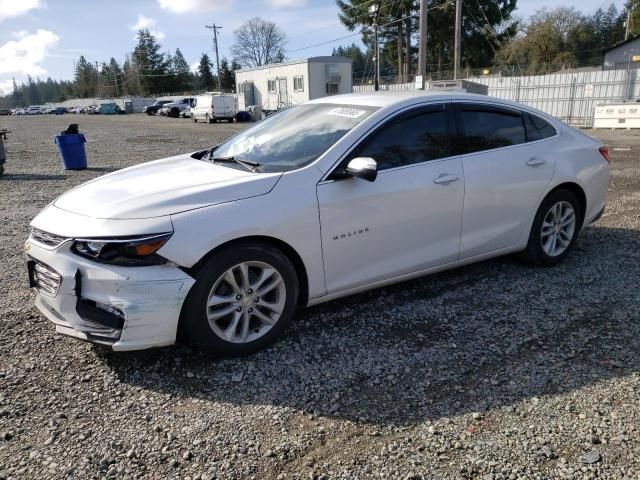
{"type": "Point", "coordinates": [347, 112]}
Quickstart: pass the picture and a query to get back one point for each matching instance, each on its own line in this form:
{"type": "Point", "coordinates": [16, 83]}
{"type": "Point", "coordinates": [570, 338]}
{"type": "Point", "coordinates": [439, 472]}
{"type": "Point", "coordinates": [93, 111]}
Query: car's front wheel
{"type": "Point", "coordinates": [243, 299]}
{"type": "Point", "coordinates": [555, 228]}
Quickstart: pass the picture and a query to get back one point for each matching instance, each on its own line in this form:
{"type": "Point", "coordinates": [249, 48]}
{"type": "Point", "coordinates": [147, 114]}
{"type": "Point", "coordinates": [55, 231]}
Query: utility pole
{"type": "Point", "coordinates": [458, 34]}
{"type": "Point", "coordinates": [215, 29]}
{"type": "Point", "coordinates": [375, 9]}
{"type": "Point", "coordinates": [422, 50]}
{"type": "Point", "coordinates": [98, 78]}
{"type": "Point", "coordinates": [626, 30]}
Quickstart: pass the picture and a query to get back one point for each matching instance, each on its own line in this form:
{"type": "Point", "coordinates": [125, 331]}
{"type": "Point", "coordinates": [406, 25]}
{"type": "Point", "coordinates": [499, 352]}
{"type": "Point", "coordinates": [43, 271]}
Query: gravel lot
{"type": "Point", "coordinates": [497, 370]}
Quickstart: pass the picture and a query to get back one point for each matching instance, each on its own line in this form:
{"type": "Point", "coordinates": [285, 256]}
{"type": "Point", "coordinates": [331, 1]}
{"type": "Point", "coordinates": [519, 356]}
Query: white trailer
{"type": "Point", "coordinates": [617, 115]}
{"type": "Point", "coordinates": [290, 83]}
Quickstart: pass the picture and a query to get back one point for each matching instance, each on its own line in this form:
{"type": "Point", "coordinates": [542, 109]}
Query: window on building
{"type": "Point", "coordinates": [298, 83]}
{"type": "Point", "coordinates": [271, 85]}
{"type": "Point", "coordinates": [333, 88]}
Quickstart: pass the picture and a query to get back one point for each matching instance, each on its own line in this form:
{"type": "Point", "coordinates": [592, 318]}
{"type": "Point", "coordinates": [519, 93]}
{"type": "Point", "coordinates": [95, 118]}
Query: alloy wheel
{"type": "Point", "coordinates": [246, 301]}
{"type": "Point", "coordinates": [558, 228]}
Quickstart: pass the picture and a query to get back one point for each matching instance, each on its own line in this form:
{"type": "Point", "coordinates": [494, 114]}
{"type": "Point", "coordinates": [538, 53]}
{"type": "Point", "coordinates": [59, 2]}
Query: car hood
{"type": "Point", "coordinates": [164, 187]}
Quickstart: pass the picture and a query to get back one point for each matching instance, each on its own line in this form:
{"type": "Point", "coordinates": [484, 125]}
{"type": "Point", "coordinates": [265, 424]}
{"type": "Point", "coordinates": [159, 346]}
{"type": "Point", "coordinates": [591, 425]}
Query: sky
{"type": "Point", "coordinates": [44, 38]}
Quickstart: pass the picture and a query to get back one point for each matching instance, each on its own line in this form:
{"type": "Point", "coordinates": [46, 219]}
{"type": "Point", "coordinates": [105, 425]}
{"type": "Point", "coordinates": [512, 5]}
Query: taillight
{"type": "Point", "coordinates": [604, 151]}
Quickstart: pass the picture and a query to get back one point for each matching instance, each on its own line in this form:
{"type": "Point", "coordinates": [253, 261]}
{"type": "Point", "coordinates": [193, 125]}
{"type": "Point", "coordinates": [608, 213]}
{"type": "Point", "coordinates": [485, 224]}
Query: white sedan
{"type": "Point", "coordinates": [322, 200]}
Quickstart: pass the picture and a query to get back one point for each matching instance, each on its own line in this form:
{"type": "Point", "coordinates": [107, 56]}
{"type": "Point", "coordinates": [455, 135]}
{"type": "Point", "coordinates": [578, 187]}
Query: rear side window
{"type": "Point", "coordinates": [410, 140]}
{"type": "Point", "coordinates": [537, 128]}
{"type": "Point", "coordinates": [485, 129]}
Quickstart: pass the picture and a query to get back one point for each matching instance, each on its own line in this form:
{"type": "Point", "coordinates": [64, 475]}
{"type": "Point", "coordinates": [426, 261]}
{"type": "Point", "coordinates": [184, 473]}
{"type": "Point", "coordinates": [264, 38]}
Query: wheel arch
{"type": "Point", "coordinates": [578, 191]}
{"type": "Point", "coordinates": [284, 247]}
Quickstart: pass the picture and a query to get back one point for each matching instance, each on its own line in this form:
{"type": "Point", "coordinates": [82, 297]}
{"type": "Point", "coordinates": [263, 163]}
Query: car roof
{"type": "Point", "coordinates": [385, 99]}
{"type": "Point", "coordinates": [416, 97]}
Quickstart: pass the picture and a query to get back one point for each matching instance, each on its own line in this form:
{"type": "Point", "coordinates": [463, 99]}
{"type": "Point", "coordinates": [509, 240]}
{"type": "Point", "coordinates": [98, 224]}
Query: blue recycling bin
{"type": "Point", "coordinates": [71, 148]}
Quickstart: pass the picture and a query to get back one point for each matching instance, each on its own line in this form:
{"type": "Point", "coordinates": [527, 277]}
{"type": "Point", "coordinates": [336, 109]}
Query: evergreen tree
{"type": "Point", "coordinates": [227, 77]}
{"type": "Point", "coordinates": [205, 77]}
{"type": "Point", "coordinates": [152, 65]}
{"type": "Point", "coordinates": [181, 74]}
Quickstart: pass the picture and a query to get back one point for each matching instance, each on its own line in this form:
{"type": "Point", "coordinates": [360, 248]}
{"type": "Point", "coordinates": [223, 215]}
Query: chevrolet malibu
{"type": "Point", "coordinates": [319, 201]}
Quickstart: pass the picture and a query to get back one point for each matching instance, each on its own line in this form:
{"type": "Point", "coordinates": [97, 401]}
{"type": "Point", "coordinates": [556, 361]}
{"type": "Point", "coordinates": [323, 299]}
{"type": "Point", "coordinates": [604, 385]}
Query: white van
{"type": "Point", "coordinates": [213, 107]}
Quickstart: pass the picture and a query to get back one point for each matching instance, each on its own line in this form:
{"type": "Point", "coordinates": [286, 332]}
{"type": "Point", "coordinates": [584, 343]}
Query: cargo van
{"type": "Point", "coordinates": [213, 107]}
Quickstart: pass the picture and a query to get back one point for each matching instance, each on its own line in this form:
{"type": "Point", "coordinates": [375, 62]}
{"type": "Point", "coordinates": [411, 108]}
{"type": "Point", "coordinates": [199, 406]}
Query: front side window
{"type": "Point", "coordinates": [489, 128]}
{"type": "Point", "coordinates": [294, 137]}
{"type": "Point", "coordinates": [298, 84]}
{"type": "Point", "coordinates": [271, 86]}
{"type": "Point", "coordinates": [414, 139]}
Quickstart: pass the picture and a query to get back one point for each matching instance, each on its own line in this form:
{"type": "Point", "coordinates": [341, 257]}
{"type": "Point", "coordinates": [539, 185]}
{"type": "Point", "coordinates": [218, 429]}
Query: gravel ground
{"type": "Point", "coordinates": [497, 370]}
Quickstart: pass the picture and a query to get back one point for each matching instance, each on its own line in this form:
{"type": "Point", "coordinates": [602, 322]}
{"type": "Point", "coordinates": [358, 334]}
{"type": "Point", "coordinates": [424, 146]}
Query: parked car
{"type": "Point", "coordinates": [5, 111]}
{"type": "Point", "coordinates": [34, 110]}
{"type": "Point", "coordinates": [60, 110]}
{"type": "Point", "coordinates": [173, 109]}
{"type": "Point", "coordinates": [319, 201]}
{"type": "Point", "coordinates": [214, 107]}
{"type": "Point", "coordinates": [153, 109]}
{"type": "Point", "coordinates": [107, 108]}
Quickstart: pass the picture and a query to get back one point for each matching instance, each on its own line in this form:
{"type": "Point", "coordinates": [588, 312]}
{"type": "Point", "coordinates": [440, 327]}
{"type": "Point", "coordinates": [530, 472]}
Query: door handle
{"type": "Point", "coordinates": [535, 162]}
{"type": "Point", "coordinates": [445, 178]}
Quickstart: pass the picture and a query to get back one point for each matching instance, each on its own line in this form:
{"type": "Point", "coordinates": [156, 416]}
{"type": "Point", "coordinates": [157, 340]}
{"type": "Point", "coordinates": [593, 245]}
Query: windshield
{"type": "Point", "coordinates": [294, 137]}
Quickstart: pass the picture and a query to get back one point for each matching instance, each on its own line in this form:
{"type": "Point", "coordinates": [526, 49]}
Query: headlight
{"type": "Point", "coordinates": [131, 251]}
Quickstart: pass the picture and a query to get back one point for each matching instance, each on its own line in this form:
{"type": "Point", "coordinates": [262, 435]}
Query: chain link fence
{"type": "Point", "coordinates": [568, 96]}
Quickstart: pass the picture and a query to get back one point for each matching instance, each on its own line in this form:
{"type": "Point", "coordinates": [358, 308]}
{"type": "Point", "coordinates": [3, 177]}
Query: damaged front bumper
{"type": "Point", "coordinates": [126, 308]}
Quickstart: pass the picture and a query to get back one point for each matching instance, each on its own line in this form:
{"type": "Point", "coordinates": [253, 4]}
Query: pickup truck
{"type": "Point", "coordinates": [173, 109]}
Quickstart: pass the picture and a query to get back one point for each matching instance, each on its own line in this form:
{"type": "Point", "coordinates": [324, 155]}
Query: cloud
{"type": "Point", "coordinates": [24, 56]}
{"type": "Point", "coordinates": [20, 34]}
{"type": "Point", "coordinates": [6, 87]}
{"type": "Point", "coordinates": [13, 8]}
{"type": "Point", "coordinates": [189, 6]}
{"type": "Point", "coordinates": [286, 3]}
{"type": "Point", "coordinates": [146, 23]}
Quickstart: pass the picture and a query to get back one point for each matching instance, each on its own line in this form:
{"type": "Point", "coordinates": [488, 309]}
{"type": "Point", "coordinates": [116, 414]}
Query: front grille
{"type": "Point", "coordinates": [46, 279]}
{"type": "Point", "coordinates": [47, 239]}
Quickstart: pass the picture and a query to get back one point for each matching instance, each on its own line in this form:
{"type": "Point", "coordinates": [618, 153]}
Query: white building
{"type": "Point", "coordinates": [290, 83]}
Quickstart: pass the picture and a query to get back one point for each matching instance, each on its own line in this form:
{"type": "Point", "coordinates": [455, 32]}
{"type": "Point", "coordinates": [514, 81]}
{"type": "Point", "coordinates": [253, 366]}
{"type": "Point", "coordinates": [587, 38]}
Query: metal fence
{"type": "Point", "coordinates": [571, 97]}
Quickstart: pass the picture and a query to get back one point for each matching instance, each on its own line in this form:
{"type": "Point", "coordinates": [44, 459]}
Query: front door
{"type": "Point", "coordinates": [282, 91]}
{"type": "Point", "coordinates": [408, 219]}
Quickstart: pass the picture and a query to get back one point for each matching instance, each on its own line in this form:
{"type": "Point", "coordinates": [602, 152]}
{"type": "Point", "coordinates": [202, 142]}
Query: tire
{"type": "Point", "coordinates": [193, 118]}
{"type": "Point", "coordinates": [540, 247]}
{"type": "Point", "coordinates": [206, 326]}
{"type": "Point", "coordinates": [209, 119]}
{"type": "Point", "coordinates": [230, 120]}
{"type": "Point", "coordinates": [175, 113]}
{"type": "Point", "coordinates": [148, 112]}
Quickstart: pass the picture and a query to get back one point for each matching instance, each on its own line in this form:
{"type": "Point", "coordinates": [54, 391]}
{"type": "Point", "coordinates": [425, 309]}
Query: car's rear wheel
{"type": "Point", "coordinates": [555, 228]}
{"type": "Point", "coordinates": [208, 118]}
{"type": "Point", "coordinates": [175, 112]}
{"type": "Point", "coordinates": [193, 118]}
{"type": "Point", "coordinates": [243, 299]}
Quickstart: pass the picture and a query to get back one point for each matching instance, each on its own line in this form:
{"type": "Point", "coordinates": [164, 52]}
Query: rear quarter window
{"type": "Point", "coordinates": [537, 128]}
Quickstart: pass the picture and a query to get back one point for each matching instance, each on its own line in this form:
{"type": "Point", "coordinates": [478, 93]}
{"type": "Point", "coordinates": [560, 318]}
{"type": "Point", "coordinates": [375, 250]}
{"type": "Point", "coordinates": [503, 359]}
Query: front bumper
{"type": "Point", "coordinates": [126, 308]}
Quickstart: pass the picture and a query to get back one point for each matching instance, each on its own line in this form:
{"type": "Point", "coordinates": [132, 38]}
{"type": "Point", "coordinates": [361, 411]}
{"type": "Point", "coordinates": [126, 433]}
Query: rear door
{"type": "Point", "coordinates": [505, 175]}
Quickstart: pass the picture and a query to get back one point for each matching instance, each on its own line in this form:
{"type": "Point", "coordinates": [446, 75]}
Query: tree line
{"type": "Point", "coordinates": [492, 37]}
{"type": "Point", "coordinates": [147, 71]}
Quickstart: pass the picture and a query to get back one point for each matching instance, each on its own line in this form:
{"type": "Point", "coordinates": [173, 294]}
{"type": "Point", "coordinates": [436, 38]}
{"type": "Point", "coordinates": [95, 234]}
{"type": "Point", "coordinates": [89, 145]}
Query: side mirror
{"type": "Point", "coordinates": [365, 168]}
